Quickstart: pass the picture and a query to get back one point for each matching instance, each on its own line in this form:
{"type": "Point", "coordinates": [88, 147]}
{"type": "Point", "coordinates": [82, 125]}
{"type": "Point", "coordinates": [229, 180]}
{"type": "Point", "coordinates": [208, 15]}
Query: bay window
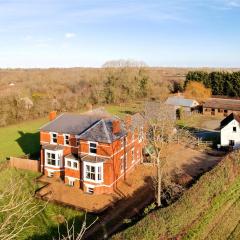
{"type": "Point", "coordinates": [53, 158]}
{"type": "Point", "coordinates": [70, 163]}
{"type": "Point", "coordinates": [93, 172]}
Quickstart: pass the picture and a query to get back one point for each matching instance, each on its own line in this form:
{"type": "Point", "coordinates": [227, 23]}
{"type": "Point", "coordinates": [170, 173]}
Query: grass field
{"type": "Point", "coordinates": [209, 210]}
{"type": "Point", "coordinates": [20, 139]}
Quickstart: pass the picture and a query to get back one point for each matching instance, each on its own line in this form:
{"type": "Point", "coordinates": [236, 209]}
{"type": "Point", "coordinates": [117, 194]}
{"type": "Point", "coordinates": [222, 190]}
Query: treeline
{"type": "Point", "coordinates": [28, 94]}
{"type": "Point", "coordinates": [221, 83]}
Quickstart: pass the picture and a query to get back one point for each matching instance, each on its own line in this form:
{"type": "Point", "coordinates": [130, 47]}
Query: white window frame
{"type": "Point", "coordinates": [122, 163]}
{"type": "Point", "coordinates": [72, 161]}
{"type": "Point", "coordinates": [77, 141]}
{"type": "Point", "coordinates": [133, 155]}
{"type": "Point", "coordinates": [140, 134]}
{"type": "Point", "coordinates": [133, 137]}
{"type": "Point", "coordinates": [71, 182]}
{"type": "Point", "coordinates": [88, 187]}
{"type": "Point", "coordinates": [138, 155]}
{"type": "Point", "coordinates": [51, 137]}
{"type": "Point", "coordinates": [126, 160]}
{"type": "Point", "coordinates": [58, 155]}
{"type": "Point", "coordinates": [89, 143]}
{"type": "Point", "coordinates": [64, 137]}
{"type": "Point", "coordinates": [122, 143]}
{"type": "Point", "coordinates": [96, 166]}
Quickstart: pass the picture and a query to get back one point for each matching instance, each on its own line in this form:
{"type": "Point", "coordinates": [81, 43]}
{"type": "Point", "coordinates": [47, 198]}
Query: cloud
{"type": "Point", "coordinates": [70, 35]}
{"type": "Point", "coordinates": [233, 3]}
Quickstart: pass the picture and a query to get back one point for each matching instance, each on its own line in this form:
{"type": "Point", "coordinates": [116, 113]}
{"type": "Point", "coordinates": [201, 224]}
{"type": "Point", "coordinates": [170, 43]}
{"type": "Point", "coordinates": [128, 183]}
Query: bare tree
{"type": "Point", "coordinates": [122, 63]}
{"type": "Point", "coordinates": [71, 233]}
{"type": "Point", "coordinates": [17, 209]}
{"type": "Point", "coordinates": [161, 120]}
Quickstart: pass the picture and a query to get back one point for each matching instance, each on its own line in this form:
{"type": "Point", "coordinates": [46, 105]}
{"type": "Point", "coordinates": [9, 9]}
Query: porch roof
{"type": "Point", "coordinates": [72, 156]}
{"type": "Point", "coordinates": [52, 147]}
{"type": "Point", "coordinates": [92, 158]}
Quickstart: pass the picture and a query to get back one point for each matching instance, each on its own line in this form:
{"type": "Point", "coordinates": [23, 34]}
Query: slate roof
{"type": "Point", "coordinates": [137, 121]}
{"type": "Point", "coordinates": [102, 131]}
{"type": "Point", "coordinates": [223, 103]}
{"type": "Point", "coordinates": [71, 123]}
{"type": "Point", "coordinates": [180, 101]}
{"type": "Point", "coordinates": [228, 119]}
{"type": "Point", "coordinates": [93, 126]}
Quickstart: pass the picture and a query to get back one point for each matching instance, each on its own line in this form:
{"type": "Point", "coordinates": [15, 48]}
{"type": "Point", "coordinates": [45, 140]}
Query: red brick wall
{"type": "Point", "coordinates": [111, 167]}
{"type": "Point", "coordinates": [72, 173]}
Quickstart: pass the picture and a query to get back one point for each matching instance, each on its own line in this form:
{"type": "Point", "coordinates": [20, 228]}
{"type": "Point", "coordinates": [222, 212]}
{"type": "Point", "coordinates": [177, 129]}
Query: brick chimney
{"type": "Point", "coordinates": [52, 115]}
{"type": "Point", "coordinates": [116, 126]}
{"type": "Point", "coordinates": [128, 121]}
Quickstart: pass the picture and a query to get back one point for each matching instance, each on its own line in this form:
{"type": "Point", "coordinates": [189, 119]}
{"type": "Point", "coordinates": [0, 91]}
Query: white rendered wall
{"type": "Point", "coordinates": [227, 134]}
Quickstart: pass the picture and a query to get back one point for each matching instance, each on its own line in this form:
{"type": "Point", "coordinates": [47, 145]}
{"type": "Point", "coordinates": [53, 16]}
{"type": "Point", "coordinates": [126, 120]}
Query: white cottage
{"type": "Point", "coordinates": [230, 131]}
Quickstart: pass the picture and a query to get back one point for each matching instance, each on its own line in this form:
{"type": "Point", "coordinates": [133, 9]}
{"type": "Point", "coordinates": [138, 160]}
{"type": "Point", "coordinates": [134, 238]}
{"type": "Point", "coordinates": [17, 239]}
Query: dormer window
{"type": "Point", "coordinates": [53, 137]}
{"type": "Point", "coordinates": [93, 148]}
{"type": "Point", "coordinates": [66, 139]}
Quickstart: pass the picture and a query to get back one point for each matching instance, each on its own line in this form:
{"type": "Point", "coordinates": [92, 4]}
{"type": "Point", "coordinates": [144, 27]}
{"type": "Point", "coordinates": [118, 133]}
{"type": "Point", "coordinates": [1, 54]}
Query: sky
{"type": "Point", "coordinates": [87, 33]}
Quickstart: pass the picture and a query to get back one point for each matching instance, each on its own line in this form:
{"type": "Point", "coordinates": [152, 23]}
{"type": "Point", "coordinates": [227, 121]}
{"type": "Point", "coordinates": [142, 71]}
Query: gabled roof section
{"type": "Point", "coordinates": [229, 119]}
{"type": "Point", "coordinates": [102, 131]}
{"type": "Point", "coordinates": [71, 123]}
{"type": "Point", "coordinates": [137, 120]}
{"type": "Point", "coordinates": [181, 101]}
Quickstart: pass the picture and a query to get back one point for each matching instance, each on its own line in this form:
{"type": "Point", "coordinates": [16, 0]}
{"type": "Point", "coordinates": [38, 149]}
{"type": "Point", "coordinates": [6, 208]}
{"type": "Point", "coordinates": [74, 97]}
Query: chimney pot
{"type": "Point", "coordinates": [116, 126]}
{"type": "Point", "coordinates": [52, 115]}
{"type": "Point", "coordinates": [128, 121]}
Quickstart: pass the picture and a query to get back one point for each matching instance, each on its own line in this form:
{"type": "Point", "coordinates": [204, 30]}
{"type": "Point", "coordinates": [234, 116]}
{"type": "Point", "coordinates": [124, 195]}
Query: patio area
{"type": "Point", "coordinates": [54, 190]}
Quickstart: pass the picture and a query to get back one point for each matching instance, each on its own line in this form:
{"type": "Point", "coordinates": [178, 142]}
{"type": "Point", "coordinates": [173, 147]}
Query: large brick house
{"type": "Point", "coordinates": [91, 151]}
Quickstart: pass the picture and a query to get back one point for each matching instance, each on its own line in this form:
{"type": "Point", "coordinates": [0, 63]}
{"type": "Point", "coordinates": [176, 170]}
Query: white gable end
{"type": "Point", "coordinates": [230, 134]}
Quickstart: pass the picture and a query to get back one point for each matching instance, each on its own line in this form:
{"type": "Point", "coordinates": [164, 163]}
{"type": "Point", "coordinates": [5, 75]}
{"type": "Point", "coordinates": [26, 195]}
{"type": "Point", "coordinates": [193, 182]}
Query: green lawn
{"type": "Point", "coordinates": [20, 139]}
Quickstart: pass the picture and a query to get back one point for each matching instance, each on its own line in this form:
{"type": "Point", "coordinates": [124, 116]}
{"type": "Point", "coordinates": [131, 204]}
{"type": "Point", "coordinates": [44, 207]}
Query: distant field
{"type": "Point", "coordinates": [23, 138]}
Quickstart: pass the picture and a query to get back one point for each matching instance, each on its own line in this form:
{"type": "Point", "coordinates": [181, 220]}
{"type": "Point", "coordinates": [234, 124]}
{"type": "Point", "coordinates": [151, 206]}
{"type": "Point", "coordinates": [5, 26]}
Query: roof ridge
{"type": "Point", "coordinates": [106, 131]}
{"type": "Point", "coordinates": [46, 124]}
{"type": "Point", "coordinates": [96, 123]}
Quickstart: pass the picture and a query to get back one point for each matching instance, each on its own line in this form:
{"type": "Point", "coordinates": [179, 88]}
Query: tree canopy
{"type": "Point", "coordinates": [221, 83]}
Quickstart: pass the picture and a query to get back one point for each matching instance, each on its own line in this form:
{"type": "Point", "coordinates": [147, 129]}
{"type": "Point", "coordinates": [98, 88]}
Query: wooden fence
{"type": "Point", "coordinates": [26, 164]}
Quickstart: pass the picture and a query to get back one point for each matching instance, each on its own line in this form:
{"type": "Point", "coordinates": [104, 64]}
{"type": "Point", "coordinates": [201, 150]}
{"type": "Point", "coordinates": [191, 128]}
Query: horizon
{"type": "Point", "coordinates": [174, 34]}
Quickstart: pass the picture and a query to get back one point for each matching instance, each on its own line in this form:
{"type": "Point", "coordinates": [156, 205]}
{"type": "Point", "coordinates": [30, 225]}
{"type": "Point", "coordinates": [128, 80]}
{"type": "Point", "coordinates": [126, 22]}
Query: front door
{"type": "Point", "coordinates": [231, 143]}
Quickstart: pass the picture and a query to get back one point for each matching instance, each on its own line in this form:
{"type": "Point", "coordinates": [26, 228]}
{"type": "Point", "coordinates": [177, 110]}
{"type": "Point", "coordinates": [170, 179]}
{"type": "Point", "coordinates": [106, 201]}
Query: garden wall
{"type": "Point", "coordinates": [26, 164]}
